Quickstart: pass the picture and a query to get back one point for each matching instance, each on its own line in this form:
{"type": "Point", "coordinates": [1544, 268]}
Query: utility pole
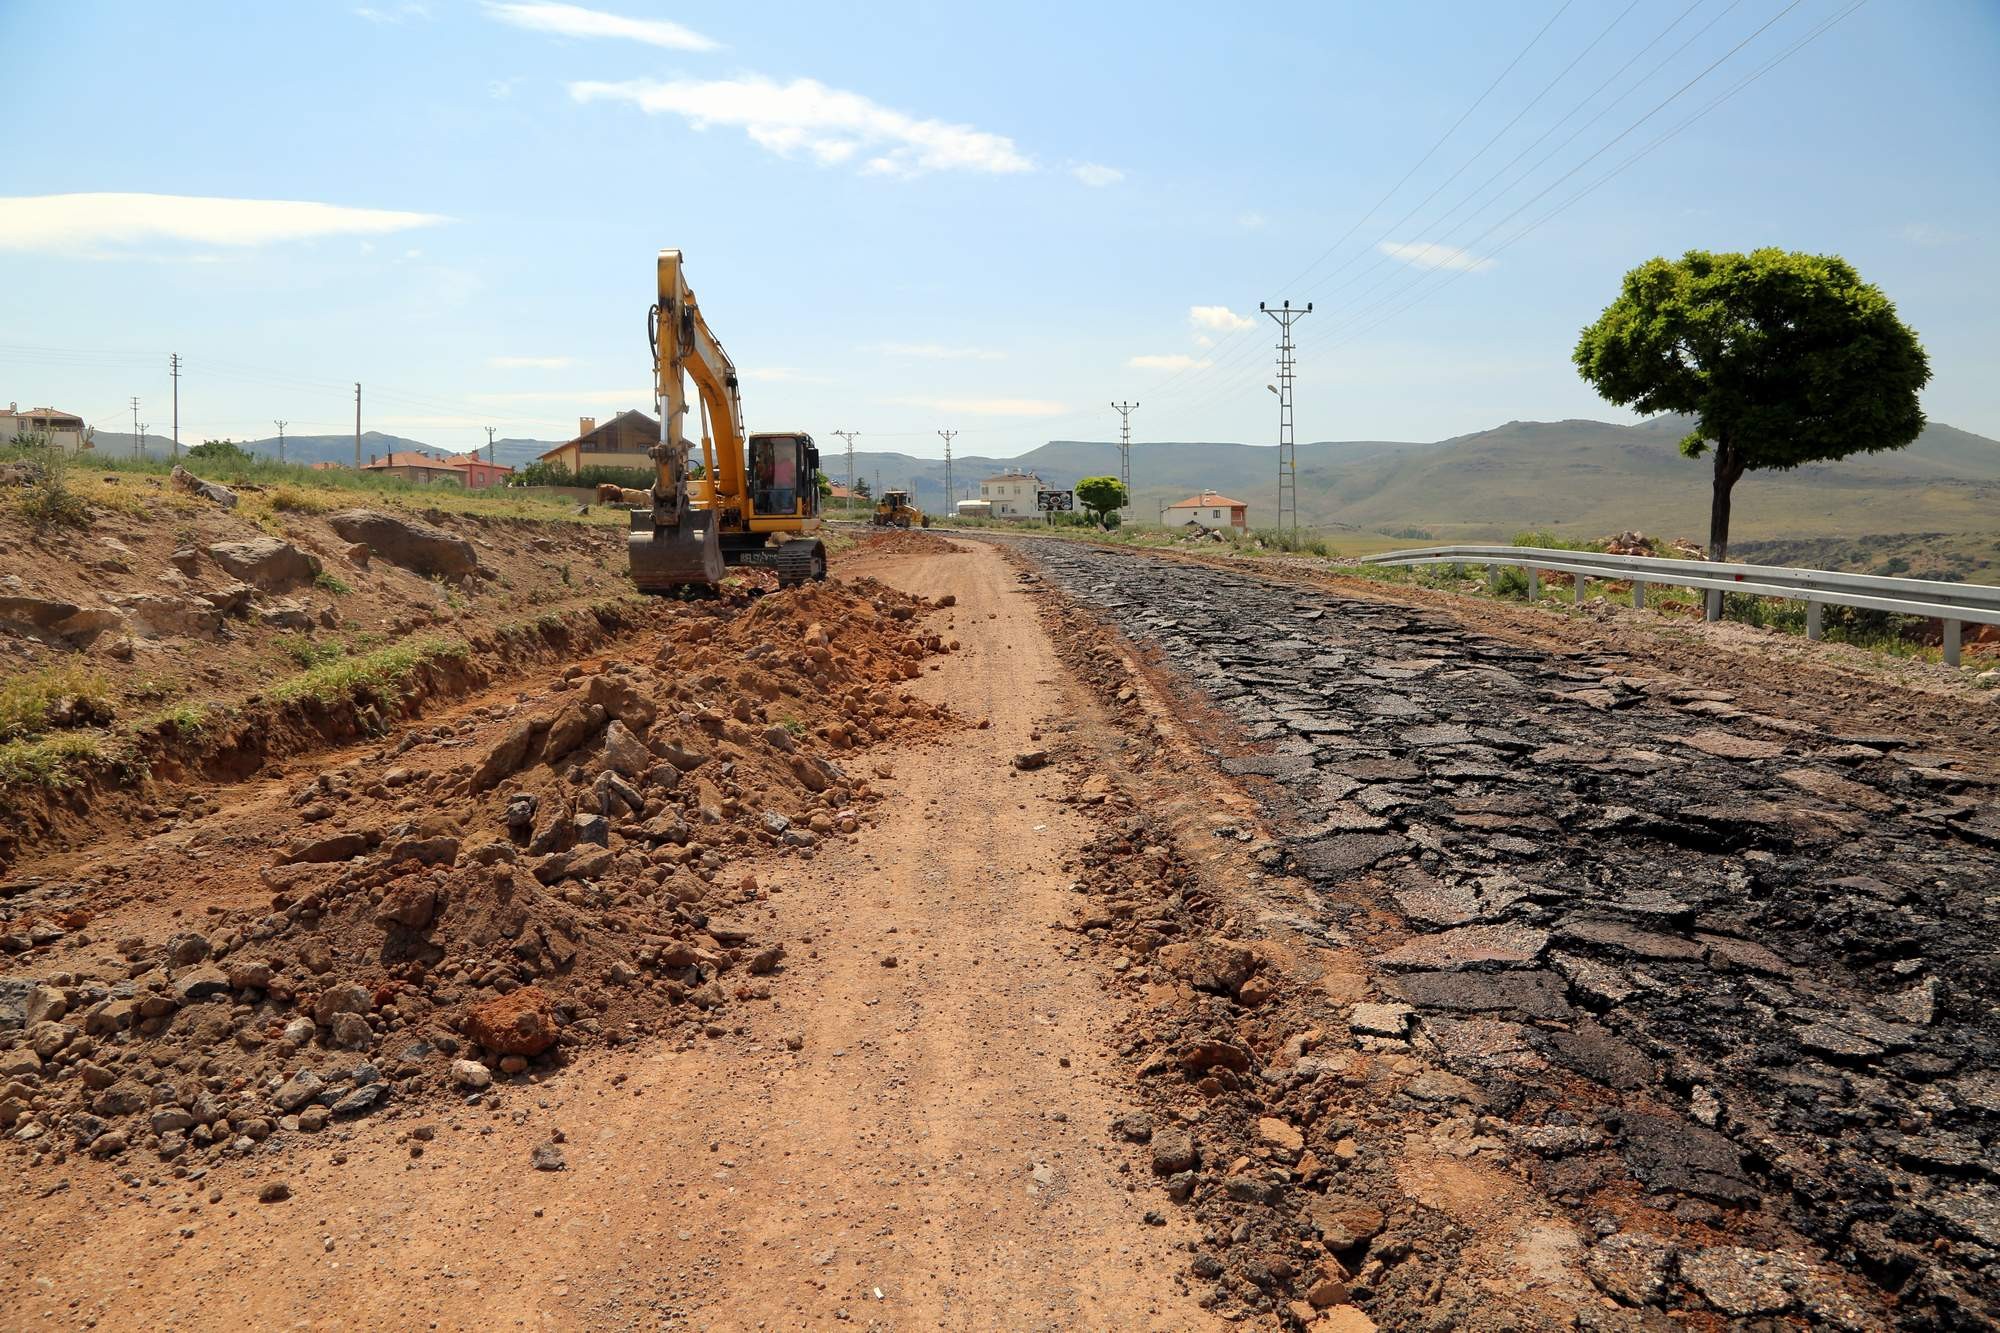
{"type": "Point", "coordinates": [1125, 411]}
{"type": "Point", "coordinates": [135, 426]}
{"type": "Point", "coordinates": [175, 362]}
{"type": "Point", "coordinates": [489, 445]}
{"type": "Point", "coordinates": [848, 435]}
{"type": "Point", "coordinates": [281, 439]}
{"type": "Point", "coordinates": [949, 506]}
{"type": "Point", "coordinates": [141, 454]}
{"type": "Point", "coordinates": [357, 425]}
{"type": "Point", "coordinates": [1288, 465]}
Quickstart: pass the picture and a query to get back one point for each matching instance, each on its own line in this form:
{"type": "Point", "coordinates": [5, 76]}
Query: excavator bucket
{"type": "Point", "coordinates": [667, 557]}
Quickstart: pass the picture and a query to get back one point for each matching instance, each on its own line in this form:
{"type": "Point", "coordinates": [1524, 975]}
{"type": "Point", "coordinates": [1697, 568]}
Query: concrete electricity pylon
{"type": "Point", "coordinates": [357, 425]}
{"type": "Point", "coordinates": [489, 446]}
{"type": "Point", "coordinates": [135, 425]}
{"type": "Point", "coordinates": [848, 435]}
{"type": "Point", "coordinates": [281, 438]}
{"type": "Point", "coordinates": [1125, 411]}
{"type": "Point", "coordinates": [174, 362]}
{"type": "Point", "coordinates": [950, 502]}
{"type": "Point", "coordinates": [1288, 465]}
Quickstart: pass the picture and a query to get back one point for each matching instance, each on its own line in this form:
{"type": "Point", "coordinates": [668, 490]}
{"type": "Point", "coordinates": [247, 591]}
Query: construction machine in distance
{"type": "Point", "coordinates": [756, 501]}
{"type": "Point", "coordinates": [896, 510]}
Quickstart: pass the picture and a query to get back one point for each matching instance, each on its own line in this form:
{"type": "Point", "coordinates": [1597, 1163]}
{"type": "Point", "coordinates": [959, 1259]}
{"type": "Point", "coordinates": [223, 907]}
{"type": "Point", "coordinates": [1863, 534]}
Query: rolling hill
{"type": "Point", "coordinates": [1577, 478]}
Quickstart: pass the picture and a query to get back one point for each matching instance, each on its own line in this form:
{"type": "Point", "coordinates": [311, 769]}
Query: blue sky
{"type": "Point", "coordinates": [904, 217]}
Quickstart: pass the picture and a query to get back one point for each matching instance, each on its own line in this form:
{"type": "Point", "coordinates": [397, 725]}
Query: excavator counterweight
{"type": "Point", "coordinates": [756, 501]}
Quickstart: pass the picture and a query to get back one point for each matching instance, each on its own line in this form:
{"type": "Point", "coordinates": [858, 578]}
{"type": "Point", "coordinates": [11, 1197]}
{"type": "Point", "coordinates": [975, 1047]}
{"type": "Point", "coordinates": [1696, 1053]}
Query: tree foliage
{"type": "Point", "coordinates": [1781, 358]}
{"type": "Point", "coordinates": [221, 451]}
{"type": "Point", "coordinates": [1102, 495]}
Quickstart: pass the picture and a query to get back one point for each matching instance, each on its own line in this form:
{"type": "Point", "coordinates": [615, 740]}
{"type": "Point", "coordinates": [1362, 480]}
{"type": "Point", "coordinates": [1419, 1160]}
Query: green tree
{"type": "Point", "coordinates": [1781, 358]}
{"type": "Point", "coordinates": [861, 488]}
{"type": "Point", "coordinates": [1102, 495]}
{"type": "Point", "coordinates": [825, 484]}
{"type": "Point", "coordinates": [221, 451]}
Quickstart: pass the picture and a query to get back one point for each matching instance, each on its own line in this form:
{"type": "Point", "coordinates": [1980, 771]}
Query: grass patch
{"type": "Point", "coordinates": [381, 673]}
{"type": "Point", "coordinates": [327, 581]}
{"type": "Point", "coordinates": [54, 696]}
{"type": "Point", "coordinates": [186, 720]}
{"type": "Point", "coordinates": [47, 500]}
{"type": "Point", "coordinates": [51, 761]}
{"type": "Point", "coordinates": [293, 499]}
{"type": "Point", "coordinates": [307, 652]}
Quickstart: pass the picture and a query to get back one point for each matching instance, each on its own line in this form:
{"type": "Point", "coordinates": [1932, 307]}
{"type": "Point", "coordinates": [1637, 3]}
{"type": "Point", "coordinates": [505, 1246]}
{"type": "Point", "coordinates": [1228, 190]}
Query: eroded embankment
{"type": "Point", "coordinates": [525, 877]}
{"type": "Point", "coordinates": [1706, 990]}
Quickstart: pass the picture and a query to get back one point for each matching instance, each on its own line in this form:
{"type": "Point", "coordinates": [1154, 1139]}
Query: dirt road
{"type": "Point", "coordinates": [910, 1135]}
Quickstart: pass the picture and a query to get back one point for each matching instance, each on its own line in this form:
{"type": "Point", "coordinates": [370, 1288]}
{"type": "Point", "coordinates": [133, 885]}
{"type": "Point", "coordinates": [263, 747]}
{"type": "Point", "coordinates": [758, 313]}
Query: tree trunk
{"type": "Point", "coordinates": [1728, 468]}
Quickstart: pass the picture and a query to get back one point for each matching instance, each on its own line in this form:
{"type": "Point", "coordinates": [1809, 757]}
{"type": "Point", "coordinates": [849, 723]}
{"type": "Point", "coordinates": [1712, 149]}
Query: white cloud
{"type": "Point", "coordinates": [530, 362]}
{"type": "Point", "coordinates": [576, 21]}
{"type": "Point", "coordinates": [1202, 340]}
{"type": "Point", "coordinates": [1930, 237]}
{"type": "Point", "coordinates": [628, 397]}
{"type": "Point", "coordinates": [1250, 221]}
{"type": "Point", "coordinates": [985, 407]}
{"type": "Point", "coordinates": [785, 375]}
{"type": "Point", "coordinates": [1220, 318]}
{"type": "Point", "coordinates": [829, 124]}
{"type": "Point", "coordinates": [1167, 361]}
{"type": "Point", "coordinates": [1096, 175]}
{"type": "Point", "coordinates": [1422, 254]}
{"type": "Point", "coordinates": [76, 222]}
{"type": "Point", "coordinates": [397, 15]}
{"type": "Point", "coordinates": [935, 352]}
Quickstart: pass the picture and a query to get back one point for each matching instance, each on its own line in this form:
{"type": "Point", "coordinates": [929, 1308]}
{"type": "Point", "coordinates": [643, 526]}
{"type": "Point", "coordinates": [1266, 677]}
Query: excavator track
{"type": "Point", "coordinates": [800, 562]}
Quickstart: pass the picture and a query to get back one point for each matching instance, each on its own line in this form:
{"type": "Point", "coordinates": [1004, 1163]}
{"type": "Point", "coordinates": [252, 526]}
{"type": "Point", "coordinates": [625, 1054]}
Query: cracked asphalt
{"type": "Point", "coordinates": [1722, 960]}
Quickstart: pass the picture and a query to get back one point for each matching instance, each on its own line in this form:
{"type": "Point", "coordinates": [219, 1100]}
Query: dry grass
{"type": "Point", "coordinates": [30, 703]}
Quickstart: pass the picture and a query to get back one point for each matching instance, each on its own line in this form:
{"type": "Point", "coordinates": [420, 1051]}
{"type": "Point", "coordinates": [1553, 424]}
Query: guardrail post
{"type": "Point", "coordinates": [1580, 582]}
{"type": "Point", "coordinates": [1534, 584]}
{"type": "Point", "coordinates": [1712, 610]}
{"type": "Point", "coordinates": [1951, 638]}
{"type": "Point", "coordinates": [1814, 619]}
{"type": "Point", "coordinates": [1638, 595]}
{"type": "Point", "coordinates": [1492, 578]}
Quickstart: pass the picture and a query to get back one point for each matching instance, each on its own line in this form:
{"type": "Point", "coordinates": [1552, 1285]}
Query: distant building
{"type": "Point", "coordinates": [839, 492]}
{"type": "Point", "coordinates": [62, 429]}
{"type": "Point", "coordinates": [325, 467]}
{"type": "Point", "coordinates": [975, 509]}
{"type": "Point", "coordinates": [478, 473]}
{"type": "Point", "coordinates": [619, 442]}
{"type": "Point", "coordinates": [1012, 494]}
{"type": "Point", "coordinates": [420, 468]}
{"type": "Point", "coordinates": [1209, 510]}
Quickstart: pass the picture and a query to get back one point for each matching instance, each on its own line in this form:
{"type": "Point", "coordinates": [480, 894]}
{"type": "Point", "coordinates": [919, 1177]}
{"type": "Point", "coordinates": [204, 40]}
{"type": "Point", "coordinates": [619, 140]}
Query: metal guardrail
{"type": "Point", "coordinates": [1952, 603]}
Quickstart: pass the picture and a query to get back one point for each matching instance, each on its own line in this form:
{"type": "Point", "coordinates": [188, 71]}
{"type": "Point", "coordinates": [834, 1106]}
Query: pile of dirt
{"type": "Point", "coordinates": [904, 541]}
{"type": "Point", "coordinates": [1638, 543]}
{"type": "Point", "coordinates": [480, 899]}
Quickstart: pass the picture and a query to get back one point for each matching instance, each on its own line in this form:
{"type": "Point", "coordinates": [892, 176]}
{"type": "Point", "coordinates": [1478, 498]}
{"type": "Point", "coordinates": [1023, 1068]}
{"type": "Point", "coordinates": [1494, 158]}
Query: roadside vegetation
{"type": "Point", "coordinates": [63, 488]}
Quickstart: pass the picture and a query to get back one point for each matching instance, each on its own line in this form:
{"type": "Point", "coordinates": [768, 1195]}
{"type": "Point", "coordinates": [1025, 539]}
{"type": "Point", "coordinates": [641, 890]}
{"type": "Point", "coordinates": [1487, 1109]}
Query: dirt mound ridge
{"type": "Point", "coordinates": [904, 541]}
{"type": "Point", "coordinates": [484, 895]}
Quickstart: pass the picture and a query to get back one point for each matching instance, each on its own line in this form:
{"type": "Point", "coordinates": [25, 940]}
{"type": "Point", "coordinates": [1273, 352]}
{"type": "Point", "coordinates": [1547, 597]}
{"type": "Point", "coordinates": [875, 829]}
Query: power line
{"type": "Point", "coordinates": [1592, 157]}
{"type": "Point", "coordinates": [1431, 152]}
{"type": "Point", "coordinates": [1125, 411]}
{"type": "Point", "coordinates": [848, 436]}
{"type": "Point", "coordinates": [1288, 466]}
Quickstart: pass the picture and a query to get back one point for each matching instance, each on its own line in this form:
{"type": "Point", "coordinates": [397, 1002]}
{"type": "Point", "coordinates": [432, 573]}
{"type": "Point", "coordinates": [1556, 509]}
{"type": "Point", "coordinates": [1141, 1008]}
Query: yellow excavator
{"type": "Point", "coordinates": [757, 500]}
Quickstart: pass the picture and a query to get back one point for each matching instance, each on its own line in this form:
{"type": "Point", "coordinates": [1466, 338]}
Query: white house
{"type": "Point", "coordinates": [1012, 494]}
{"type": "Point", "coordinates": [61, 428]}
{"type": "Point", "coordinates": [1208, 510]}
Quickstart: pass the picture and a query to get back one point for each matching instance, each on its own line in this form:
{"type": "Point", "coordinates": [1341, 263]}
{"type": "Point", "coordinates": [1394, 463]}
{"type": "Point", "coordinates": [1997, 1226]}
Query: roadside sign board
{"type": "Point", "coordinates": [1056, 502]}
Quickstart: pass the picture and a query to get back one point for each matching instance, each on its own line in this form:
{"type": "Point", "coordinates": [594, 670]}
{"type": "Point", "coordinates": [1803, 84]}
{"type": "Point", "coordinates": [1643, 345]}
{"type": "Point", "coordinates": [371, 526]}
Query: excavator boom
{"type": "Point", "coordinates": [677, 543]}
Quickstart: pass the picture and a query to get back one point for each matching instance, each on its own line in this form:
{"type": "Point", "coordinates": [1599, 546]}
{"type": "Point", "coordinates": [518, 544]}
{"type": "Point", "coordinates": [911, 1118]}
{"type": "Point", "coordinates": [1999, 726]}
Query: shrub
{"type": "Point", "coordinates": [47, 500]}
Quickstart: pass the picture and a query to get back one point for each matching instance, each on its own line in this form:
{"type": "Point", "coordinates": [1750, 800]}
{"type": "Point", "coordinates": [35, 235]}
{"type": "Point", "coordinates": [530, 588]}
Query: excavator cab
{"type": "Point", "coordinates": [784, 476]}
